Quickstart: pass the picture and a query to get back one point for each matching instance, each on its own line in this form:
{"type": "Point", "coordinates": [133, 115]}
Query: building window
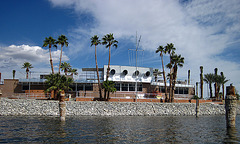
{"type": "Point", "coordinates": [117, 86]}
{"type": "Point", "coordinates": [124, 87]}
{"type": "Point", "coordinates": [131, 87]}
{"type": "Point", "coordinates": [162, 89]}
{"type": "Point", "coordinates": [185, 91]}
{"type": "Point", "coordinates": [139, 87]}
{"type": "Point", "coordinates": [88, 87]}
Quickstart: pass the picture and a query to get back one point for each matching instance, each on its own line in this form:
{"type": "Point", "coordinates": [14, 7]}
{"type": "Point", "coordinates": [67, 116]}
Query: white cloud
{"type": "Point", "coordinates": [200, 29]}
{"type": "Point", "coordinates": [13, 57]}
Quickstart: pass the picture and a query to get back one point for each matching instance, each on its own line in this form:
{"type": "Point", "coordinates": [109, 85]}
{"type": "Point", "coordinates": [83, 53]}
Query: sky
{"type": "Point", "coordinates": [206, 33]}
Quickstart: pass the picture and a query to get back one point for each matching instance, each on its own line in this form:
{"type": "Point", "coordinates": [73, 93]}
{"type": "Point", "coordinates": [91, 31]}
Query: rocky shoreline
{"type": "Point", "coordinates": [23, 107]}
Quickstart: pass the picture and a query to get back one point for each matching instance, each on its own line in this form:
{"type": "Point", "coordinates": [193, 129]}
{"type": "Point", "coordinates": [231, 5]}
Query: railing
{"type": "Point", "coordinates": [27, 96]}
{"type": "Point", "coordinates": [132, 95]}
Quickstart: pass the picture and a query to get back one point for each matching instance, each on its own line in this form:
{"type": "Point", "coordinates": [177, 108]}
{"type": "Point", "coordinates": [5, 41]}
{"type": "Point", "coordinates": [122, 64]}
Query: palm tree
{"type": "Point", "coordinates": [109, 87]}
{"type": "Point", "coordinates": [177, 61]}
{"type": "Point", "coordinates": [73, 71]}
{"type": "Point", "coordinates": [14, 72]}
{"type": "Point", "coordinates": [65, 67]}
{"type": "Point", "coordinates": [108, 40]}
{"type": "Point", "coordinates": [209, 79]}
{"type": "Point", "coordinates": [162, 50]}
{"type": "Point", "coordinates": [62, 40]}
{"type": "Point", "coordinates": [170, 49]}
{"type": "Point", "coordinates": [201, 82]}
{"type": "Point", "coordinates": [223, 80]}
{"type": "Point", "coordinates": [27, 66]}
{"type": "Point", "coordinates": [216, 80]}
{"type": "Point", "coordinates": [95, 41]}
{"type": "Point", "coordinates": [50, 42]}
{"type": "Point", "coordinates": [58, 83]}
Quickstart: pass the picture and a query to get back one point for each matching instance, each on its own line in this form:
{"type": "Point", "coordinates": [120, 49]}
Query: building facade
{"type": "Point", "coordinates": [129, 82]}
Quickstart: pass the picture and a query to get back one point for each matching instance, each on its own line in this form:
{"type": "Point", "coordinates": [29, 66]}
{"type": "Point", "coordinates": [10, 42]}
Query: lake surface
{"type": "Point", "coordinates": [120, 129]}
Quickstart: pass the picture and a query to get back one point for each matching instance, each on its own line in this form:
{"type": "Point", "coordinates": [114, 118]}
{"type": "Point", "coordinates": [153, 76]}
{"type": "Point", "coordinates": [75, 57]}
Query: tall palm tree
{"type": "Point", "coordinates": [162, 50]}
{"type": "Point", "coordinates": [170, 49]}
{"type": "Point", "coordinates": [209, 79]}
{"type": "Point", "coordinates": [95, 41]}
{"type": "Point", "coordinates": [27, 66]}
{"type": "Point", "coordinates": [65, 67]}
{"type": "Point", "coordinates": [14, 72]}
{"type": "Point", "coordinates": [50, 42]}
{"type": "Point", "coordinates": [108, 40]}
{"type": "Point", "coordinates": [223, 80]}
{"type": "Point", "coordinates": [201, 82]}
{"type": "Point", "coordinates": [177, 61]}
{"type": "Point", "coordinates": [62, 40]}
{"type": "Point", "coordinates": [216, 80]}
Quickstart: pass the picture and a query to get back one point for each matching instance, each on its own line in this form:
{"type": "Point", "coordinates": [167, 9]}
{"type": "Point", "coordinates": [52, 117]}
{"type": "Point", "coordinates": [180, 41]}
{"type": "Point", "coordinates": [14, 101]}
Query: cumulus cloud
{"type": "Point", "coordinates": [12, 58]}
{"type": "Point", "coordinates": [200, 29]}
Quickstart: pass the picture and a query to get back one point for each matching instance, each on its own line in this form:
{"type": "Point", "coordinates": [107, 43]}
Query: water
{"type": "Point", "coordinates": [134, 129]}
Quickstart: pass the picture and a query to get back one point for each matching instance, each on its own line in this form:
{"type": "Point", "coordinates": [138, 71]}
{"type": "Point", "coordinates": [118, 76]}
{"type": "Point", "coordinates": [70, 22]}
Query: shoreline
{"type": "Point", "coordinates": [25, 107]}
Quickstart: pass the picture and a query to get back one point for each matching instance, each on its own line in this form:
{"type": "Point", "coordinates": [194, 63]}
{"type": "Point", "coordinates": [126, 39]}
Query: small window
{"type": "Point", "coordinates": [132, 87]}
{"type": "Point", "coordinates": [124, 87]}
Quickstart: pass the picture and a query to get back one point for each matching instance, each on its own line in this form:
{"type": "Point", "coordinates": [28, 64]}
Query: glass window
{"type": "Point", "coordinates": [185, 90]}
{"type": "Point", "coordinates": [88, 87]}
{"type": "Point", "coordinates": [132, 87]}
{"type": "Point", "coordinates": [176, 90]}
{"type": "Point", "coordinates": [139, 87]}
{"type": "Point", "coordinates": [180, 91]}
{"type": "Point", "coordinates": [162, 89]}
{"type": "Point", "coordinates": [25, 87]}
{"type": "Point", "coordinates": [124, 87]}
{"type": "Point", "coordinates": [117, 86]}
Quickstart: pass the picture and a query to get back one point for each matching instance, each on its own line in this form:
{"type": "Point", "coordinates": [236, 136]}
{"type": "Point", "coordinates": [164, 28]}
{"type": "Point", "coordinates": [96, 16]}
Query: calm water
{"type": "Point", "coordinates": [135, 129]}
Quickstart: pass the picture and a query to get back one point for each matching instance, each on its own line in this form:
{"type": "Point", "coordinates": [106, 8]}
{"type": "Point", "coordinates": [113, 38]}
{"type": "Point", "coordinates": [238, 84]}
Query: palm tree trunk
{"type": "Point", "coordinates": [60, 61]}
{"type": "Point", "coordinates": [108, 71]}
{"type": "Point", "coordinates": [210, 88]}
{"type": "Point", "coordinates": [99, 84]}
{"type": "Point", "coordinates": [170, 86]}
{"type": "Point", "coordinates": [223, 91]}
{"type": "Point", "coordinates": [51, 63]}
{"type": "Point", "coordinates": [164, 78]}
{"type": "Point", "coordinates": [174, 82]}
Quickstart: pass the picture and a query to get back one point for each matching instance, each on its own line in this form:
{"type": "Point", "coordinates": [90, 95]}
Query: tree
{"type": "Point", "coordinates": [170, 49]}
{"type": "Point", "coordinates": [201, 82]}
{"type": "Point", "coordinates": [216, 80]}
{"type": "Point", "coordinates": [27, 66]}
{"type": "Point", "coordinates": [73, 71]}
{"type": "Point", "coordinates": [62, 40]}
{"type": "Point", "coordinates": [108, 40]}
{"type": "Point", "coordinates": [14, 72]}
{"type": "Point", "coordinates": [50, 42]}
{"type": "Point", "coordinates": [65, 67]}
{"type": "Point", "coordinates": [209, 79]}
{"type": "Point", "coordinates": [162, 50]}
{"type": "Point", "coordinates": [57, 83]}
{"type": "Point", "coordinates": [95, 41]}
{"type": "Point", "coordinates": [177, 61]}
{"type": "Point", "coordinates": [109, 87]}
{"type": "Point", "coordinates": [223, 81]}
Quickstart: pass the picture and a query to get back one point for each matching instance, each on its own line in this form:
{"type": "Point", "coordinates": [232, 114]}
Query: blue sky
{"type": "Point", "coordinates": [204, 32]}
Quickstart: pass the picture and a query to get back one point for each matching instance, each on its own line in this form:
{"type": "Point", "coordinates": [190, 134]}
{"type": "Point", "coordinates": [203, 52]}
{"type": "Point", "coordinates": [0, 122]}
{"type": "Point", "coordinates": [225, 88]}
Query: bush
{"type": "Point", "coordinates": [195, 97]}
